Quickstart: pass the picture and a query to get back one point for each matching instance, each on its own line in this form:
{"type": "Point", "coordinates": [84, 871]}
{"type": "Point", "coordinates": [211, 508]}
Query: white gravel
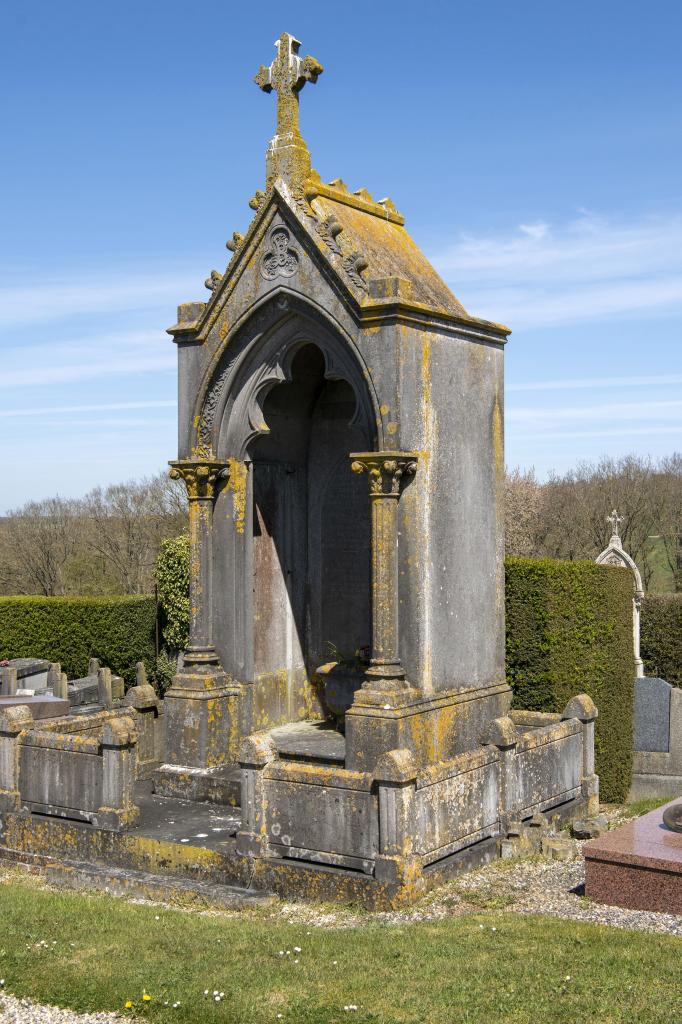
{"type": "Point", "coordinates": [24, 1011]}
{"type": "Point", "coordinates": [555, 889]}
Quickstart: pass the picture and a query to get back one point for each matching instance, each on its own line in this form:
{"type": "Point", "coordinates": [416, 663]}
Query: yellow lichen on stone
{"type": "Point", "coordinates": [237, 484]}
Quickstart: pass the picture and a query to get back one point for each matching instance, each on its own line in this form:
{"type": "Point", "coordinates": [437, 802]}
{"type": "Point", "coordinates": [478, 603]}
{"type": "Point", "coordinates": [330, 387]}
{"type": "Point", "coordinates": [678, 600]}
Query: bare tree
{"type": "Point", "coordinates": [105, 543]}
{"type": "Point", "coordinates": [38, 541]}
{"type": "Point", "coordinates": [523, 503]}
{"type": "Point", "coordinates": [668, 512]}
{"type": "Point", "coordinates": [128, 522]}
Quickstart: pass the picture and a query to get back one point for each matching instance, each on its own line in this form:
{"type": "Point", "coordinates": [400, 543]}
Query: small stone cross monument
{"type": "Point", "coordinates": [614, 554]}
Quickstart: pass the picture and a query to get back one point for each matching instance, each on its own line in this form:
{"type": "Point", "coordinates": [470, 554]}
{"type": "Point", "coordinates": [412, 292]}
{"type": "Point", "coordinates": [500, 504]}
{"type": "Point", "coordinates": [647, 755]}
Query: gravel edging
{"type": "Point", "coordinates": [25, 1011]}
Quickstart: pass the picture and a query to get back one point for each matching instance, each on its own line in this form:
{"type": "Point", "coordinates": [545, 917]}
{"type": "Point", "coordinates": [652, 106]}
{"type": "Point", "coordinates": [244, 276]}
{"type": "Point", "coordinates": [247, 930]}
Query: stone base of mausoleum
{"type": "Point", "coordinates": [401, 820]}
{"type": "Point", "coordinates": [310, 826]}
{"type": "Point", "coordinates": [433, 727]}
{"type": "Point", "coordinates": [187, 852]}
{"type": "Point", "coordinates": [220, 785]}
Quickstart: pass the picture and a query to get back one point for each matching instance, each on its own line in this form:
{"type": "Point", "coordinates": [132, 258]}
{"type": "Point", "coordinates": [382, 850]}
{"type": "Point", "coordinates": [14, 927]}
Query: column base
{"type": "Point", "coordinates": [433, 727]}
{"type": "Point", "coordinates": [201, 719]}
{"type": "Point", "coordinates": [116, 819]}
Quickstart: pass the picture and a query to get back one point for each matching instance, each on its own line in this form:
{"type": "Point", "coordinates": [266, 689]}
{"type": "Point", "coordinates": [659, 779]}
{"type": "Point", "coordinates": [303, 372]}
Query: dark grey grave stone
{"type": "Point", "coordinates": [31, 672]}
{"type": "Point", "coordinates": [652, 714]}
{"type": "Point", "coordinates": [83, 691]}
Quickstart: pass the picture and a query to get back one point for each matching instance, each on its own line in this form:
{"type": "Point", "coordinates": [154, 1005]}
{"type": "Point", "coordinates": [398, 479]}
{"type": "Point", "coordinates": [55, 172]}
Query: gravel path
{"type": "Point", "coordinates": [555, 889]}
{"type": "Point", "coordinates": [23, 1011]}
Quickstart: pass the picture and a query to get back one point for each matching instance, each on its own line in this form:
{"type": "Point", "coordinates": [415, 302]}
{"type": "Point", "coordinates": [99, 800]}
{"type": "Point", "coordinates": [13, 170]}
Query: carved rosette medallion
{"type": "Point", "coordinates": [282, 260]}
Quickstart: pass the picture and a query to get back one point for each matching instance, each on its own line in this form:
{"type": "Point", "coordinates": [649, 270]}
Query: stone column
{"type": "Point", "coordinates": [203, 479]}
{"type": "Point", "coordinates": [105, 696]}
{"type": "Point", "coordinates": [13, 721]}
{"type": "Point", "coordinates": [200, 705]}
{"type": "Point", "coordinates": [142, 698]}
{"type": "Point", "coordinates": [257, 752]}
{"type": "Point", "coordinates": [385, 471]}
{"type": "Point", "coordinates": [397, 864]}
{"type": "Point", "coordinates": [636, 615]}
{"type": "Point", "coordinates": [583, 708]}
{"type": "Point", "coordinates": [503, 734]}
{"type": "Point", "coordinates": [8, 681]}
{"type": "Point", "coordinates": [118, 810]}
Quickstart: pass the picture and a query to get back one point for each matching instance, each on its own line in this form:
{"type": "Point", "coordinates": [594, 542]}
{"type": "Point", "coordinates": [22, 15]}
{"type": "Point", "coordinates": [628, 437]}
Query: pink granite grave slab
{"type": "Point", "coordinates": [638, 865]}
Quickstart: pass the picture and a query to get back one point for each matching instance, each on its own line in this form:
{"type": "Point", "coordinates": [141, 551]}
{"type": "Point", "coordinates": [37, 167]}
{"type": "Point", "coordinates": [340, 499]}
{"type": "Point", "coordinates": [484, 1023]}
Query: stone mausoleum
{"type": "Point", "coordinates": [341, 440]}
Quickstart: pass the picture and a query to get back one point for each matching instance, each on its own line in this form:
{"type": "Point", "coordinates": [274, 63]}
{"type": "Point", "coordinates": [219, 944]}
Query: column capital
{"type": "Point", "coordinates": [203, 477]}
{"type": "Point", "coordinates": [385, 470]}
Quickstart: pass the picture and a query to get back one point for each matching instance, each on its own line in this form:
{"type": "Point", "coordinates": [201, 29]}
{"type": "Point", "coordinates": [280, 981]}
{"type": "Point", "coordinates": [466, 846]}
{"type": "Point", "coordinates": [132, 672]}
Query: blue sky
{"type": "Point", "coordinates": [535, 149]}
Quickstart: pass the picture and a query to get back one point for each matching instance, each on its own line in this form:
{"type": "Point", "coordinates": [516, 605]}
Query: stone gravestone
{"type": "Point", "coordinates": [657, 763]}
{"type": "Point", "coordinates": [652, 714]}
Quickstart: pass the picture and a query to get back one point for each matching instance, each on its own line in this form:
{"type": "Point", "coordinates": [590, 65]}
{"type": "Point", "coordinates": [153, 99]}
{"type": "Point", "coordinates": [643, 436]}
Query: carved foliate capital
{"type": "Point", "coordinates": [385, 470]}
{"type": "Point", "coordinates": [203, 478]}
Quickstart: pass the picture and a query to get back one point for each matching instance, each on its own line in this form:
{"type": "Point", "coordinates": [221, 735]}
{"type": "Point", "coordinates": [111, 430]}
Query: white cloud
{"type": "Point", "coordinates": [586, 269]}
{"type": "Point", "coordinates": [105, 355]}
{"type": "Point", "coordinates": [53, 300]}
{"type": "Point", "coordinates": [536, 231]}
{"type": "Point", "coordinates": [617, 411]}
{"type": "Point", "coordinates": [36, 410]}
{"type": "Point", "coordinates": [634, 432]}
{"type": "Point", "coordinates": [569, 384]}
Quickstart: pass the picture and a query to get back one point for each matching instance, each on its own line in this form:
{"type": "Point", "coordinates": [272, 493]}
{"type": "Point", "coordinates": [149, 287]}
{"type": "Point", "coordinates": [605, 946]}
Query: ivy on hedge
{"type": "Point", "coordinates": [661, 636]}
{"type": "Point", "coordinates": [118, 630]}
{"type": "Point", "coordinates": [569, 630]}
{"type": "Point", "coordinates": [172, 583]}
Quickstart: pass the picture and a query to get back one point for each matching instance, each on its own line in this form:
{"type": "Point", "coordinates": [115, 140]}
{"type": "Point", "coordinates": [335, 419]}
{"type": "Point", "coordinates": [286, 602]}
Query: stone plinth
{"type": "Point", "coordinates": [43, 706]}
{"type": "Point", "coordinates": [638, 866]}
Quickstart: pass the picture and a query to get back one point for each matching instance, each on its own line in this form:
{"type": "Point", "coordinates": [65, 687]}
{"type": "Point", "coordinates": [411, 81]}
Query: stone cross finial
{"type": "Point", "coordinates": [287, 75]}
{"type": "Point", "coordinates": [615, 521]}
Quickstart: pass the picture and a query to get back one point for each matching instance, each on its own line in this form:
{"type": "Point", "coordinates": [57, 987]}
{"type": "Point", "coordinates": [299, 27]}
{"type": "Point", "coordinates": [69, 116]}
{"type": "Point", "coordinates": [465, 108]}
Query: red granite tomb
{"type": "Point", "coordinates": [638, 866]}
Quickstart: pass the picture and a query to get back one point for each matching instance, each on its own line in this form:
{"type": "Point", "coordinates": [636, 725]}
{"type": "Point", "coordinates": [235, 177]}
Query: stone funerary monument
{"type": "Point", "coordinates": [341, 440]}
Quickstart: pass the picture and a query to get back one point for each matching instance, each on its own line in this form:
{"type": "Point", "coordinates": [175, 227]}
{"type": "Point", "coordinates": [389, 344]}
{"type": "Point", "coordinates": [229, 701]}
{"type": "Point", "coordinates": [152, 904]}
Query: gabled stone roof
{"type": "Point", "coordinates": [364, 241]}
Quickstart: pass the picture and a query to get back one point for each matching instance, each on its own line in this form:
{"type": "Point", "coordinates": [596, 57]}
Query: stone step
{"type": "Point", "coordinates": [79, 875]}
{"type": "Point", "coordinates": [212, 785]}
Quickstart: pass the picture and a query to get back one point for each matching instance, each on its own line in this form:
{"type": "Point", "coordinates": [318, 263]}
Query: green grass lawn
{"type": "Point", "coordinates": [95, 953]}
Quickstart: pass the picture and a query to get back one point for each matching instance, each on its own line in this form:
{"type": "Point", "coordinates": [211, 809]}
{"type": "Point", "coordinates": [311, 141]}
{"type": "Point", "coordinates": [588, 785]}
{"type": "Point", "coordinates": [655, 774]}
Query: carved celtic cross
{"type": "Point", "coordinates": [287, 75]}
{"type": "Point", "coordinates": [615, 521]}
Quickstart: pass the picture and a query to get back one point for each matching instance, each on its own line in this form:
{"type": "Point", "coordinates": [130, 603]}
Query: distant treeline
{"type": "Point", "coordinates": [566, 517]}
{"type": "Point", "coordinates": [104, 544]}
{"type": "Point", "coordinates": [107, 542]}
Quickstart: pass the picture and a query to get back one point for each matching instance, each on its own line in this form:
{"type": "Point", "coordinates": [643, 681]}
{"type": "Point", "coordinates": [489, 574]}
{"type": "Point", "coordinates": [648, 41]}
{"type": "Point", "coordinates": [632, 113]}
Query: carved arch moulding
{"type": "Point", "coordinates": [229, 411]}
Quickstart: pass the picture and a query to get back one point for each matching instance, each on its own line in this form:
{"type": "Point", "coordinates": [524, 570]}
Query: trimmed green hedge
{"type": "Point", "coordinates": [661, 636]}
{"type": "Point", "coordinates": [117, 630]}
{"type": "Point", "coordinates": [569, 630]}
